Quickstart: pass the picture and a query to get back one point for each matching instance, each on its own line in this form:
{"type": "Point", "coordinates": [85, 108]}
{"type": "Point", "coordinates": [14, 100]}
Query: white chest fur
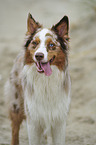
{"type": "Point", "coordinates": [45, 97]}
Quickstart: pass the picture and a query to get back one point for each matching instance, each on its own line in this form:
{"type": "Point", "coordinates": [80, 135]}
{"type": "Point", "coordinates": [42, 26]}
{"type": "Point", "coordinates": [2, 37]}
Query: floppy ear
{"type": "Point", "coordinates": [62, 28]}
{"type": "Point", "coordinates": [32, 25]}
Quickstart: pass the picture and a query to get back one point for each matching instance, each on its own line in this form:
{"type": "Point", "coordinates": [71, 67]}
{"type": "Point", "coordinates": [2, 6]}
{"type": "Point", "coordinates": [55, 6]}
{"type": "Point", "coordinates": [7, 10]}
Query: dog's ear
{"type": "Point", "coordinates": [32, 25]}
{"type": "Point", "coordinates": [62, 28]}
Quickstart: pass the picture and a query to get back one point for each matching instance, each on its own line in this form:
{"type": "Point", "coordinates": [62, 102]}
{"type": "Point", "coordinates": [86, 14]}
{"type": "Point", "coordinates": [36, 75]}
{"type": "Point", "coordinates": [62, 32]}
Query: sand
{"type": "Point", "coordinates": [81, 124]}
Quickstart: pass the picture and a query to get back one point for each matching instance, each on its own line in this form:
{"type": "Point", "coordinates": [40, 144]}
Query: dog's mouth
{"type": "Point", "coordinates": [45, 67]}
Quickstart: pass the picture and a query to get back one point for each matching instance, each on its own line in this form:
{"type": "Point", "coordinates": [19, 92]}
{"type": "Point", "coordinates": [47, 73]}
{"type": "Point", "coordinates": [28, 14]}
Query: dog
{"type": "Point", "coordinates": [38, 89]}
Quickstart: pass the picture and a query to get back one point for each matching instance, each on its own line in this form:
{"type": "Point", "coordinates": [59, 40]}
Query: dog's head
{"type": "Point", "coordinates": [46, 47]}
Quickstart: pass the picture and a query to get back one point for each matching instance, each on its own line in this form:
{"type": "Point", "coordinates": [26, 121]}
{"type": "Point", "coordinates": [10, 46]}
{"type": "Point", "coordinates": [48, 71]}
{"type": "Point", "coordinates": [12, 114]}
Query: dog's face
{"type": "Point", "coordinates": [46, 47]}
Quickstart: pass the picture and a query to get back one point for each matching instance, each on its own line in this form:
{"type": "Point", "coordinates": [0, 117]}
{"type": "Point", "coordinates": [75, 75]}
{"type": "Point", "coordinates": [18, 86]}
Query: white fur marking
{"type": "Point", "coordinates": [42, 48]}
{"type": "Point", "coordinates": [48, 104]}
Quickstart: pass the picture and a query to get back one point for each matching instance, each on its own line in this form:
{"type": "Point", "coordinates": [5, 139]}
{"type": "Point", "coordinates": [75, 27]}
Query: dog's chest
{"type": "Point", "coordinates": [44, 96]}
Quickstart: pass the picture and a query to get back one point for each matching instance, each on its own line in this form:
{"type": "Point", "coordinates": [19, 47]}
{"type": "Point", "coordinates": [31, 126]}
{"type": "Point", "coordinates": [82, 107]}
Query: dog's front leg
{"type": "Point", "coordinates": [59, 133]}
{"type": "Point", "coordinates": [33, 133]}
{"type": "Point", "coordinates": [16, 118]}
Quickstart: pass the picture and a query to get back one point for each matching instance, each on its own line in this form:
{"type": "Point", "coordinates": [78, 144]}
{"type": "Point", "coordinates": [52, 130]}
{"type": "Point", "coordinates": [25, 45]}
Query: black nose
{"type": "Point", "coordinates": [39, 56]}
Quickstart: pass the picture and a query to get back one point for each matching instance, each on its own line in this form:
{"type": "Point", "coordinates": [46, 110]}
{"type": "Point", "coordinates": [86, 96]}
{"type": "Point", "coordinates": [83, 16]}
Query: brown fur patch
{"type": "Point", "coordinates": [60, 58]}
{"type": "Point", "coordinates": [55, 51]}
{"type": "Point", "coordinates": [29, 52]}
{"type": "Point", "coordinates": [16, 119]}
{"type": "Point", "coordinates": [28, 57]}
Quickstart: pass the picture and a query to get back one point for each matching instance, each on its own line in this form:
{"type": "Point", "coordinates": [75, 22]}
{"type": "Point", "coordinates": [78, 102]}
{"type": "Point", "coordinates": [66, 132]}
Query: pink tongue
{"type": "Point", "coordinates": [47, 69]}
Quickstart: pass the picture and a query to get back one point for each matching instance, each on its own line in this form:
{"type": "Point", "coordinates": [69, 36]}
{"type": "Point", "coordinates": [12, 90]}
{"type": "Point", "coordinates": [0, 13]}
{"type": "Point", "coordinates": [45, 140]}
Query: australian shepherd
{"type": "Point", "coordinates": [38, 88]}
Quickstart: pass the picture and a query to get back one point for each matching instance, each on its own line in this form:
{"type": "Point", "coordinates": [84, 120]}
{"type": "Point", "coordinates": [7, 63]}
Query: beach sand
{"type": "Point", "coordinates": [81, 124]}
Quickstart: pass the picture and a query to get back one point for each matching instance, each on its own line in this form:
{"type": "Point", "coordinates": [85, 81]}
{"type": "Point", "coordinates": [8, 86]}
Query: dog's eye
{"type": "Point", "coordinates": [52, 46]}
{"type": "Point", "coordinates": [34, 44]}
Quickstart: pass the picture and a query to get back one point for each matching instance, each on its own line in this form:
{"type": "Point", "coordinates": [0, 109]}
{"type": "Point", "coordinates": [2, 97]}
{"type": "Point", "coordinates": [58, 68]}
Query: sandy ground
{"type": "Point", "coordinates": [81, 125]}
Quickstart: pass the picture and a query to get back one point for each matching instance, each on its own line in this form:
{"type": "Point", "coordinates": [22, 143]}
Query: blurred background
{"type": "Point", "coordinates": [81, 124]}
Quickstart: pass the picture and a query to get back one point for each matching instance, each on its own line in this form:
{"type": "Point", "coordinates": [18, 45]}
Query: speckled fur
{"type": "Point", "coordinates": [43, 101]}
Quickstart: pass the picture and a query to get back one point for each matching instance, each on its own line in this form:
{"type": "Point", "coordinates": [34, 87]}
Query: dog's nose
{"type": "Point", "coordinates": [39, 56]}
